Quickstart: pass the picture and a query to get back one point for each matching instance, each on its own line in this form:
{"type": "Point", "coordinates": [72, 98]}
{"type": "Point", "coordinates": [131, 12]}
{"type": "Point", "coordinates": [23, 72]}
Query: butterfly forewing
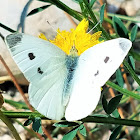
{"type": "Point", "coordinates": [95, 66]}
{"type": "Point", "coordinates": [43, 64]}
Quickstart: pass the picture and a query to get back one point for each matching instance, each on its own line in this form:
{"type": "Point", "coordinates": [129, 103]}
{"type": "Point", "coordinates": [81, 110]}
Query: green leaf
{"type": "Point", "coordinates": [123, 91]}
{"type": "Point", "coordinates": [135, 55]}
{"type": "Point", "coordinates": [116, 114]}
{"type": "Point", "coordinates": [131, 71]}
{"type": "Point", "coordinates": [113, 103]}
{"type": "Point", "coordinates": [119, 77]}
{"type": "Point", "coordinates": [99, 115]}
{"type": "Point", "coordinates": [83, 10]}
{"type": "Point", "coordinates": [19, 105]}
{"type": "Point", "coordinates": [120, 28]}
{"type": "Point", "coordinates": [92, 3]}
{"type": "Point", "coordinates": [131, 61]}
{"type": "Point", "coordinates": [65, 8]}
{"type": "Point", "coordinates": [65, 124]}
{"type": "Point", "coordinates": [78, 1]}
{"type": "Point", "coordinates": [71, 134]}
{"type": "Point", "coordinates": [105, 104]}
{"type": "Point", "coordinates": [115, 133]}
{"type": "Point", "coordinates": [102, 12]}
{"type": "Point", "coordinates": [134, 33]}
{"type": "Point", "coordinates": [10, 125]}
{"type": "Point", "coordinates": [138, 89]}
{"type": "Point", "coordinates": [82, 130]}
{"type": "Point", "coordinates": [37, 10]}
{"type": "Point", "coordinates": [94, 130]}
{"type": "Point", "coordinates": [28, 122]}
{"type": "Point", "coordinates": [37, 125]}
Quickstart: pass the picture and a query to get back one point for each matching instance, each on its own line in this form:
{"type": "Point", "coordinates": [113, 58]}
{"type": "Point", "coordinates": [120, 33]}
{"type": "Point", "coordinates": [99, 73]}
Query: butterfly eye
{"type": "Point", "coordinates": [106, 59]}
{"type": "Point", "coordinates": [31, 56]}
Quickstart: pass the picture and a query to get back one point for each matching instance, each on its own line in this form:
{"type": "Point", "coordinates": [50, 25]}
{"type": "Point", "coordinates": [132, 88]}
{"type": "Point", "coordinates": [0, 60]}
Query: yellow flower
{"type": "Point", "coordinates": [77, 40]}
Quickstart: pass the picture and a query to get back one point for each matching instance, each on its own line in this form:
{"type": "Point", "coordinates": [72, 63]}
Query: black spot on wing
{"type": "Point", "coordinates": [96, 73]}
{"type": "Point", "coordinates": [39, 70]}
{"type": "Point", "coordinates": [13, 39]}
{"type": "Point", "coordinates": [31, 56]}
{"type": "Point", "coordinates": [106, 59]}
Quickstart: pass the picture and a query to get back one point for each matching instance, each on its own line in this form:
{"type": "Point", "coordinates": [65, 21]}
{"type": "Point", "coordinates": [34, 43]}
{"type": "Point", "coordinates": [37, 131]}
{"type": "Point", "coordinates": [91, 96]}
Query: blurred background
{"type": "Point", "coordinates": [10, 15]}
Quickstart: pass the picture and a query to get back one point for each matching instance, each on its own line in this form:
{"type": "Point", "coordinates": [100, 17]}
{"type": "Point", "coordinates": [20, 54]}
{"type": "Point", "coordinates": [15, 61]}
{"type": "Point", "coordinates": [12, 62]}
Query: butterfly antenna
{"type": "Point", "coordinates": [94, 26]}
{"type": "Point", "coordinates": [57, 31]}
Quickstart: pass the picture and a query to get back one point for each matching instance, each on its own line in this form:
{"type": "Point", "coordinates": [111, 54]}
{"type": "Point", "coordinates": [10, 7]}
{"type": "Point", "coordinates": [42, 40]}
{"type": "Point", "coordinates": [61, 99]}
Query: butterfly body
{"type": "Point", "coordinates": [65, 85]}
{"type": "Point", "coordinates": [71, 64]}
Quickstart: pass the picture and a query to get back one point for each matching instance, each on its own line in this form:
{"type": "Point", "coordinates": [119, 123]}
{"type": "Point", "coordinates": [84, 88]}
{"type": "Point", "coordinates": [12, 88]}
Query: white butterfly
{"type": "Point", "coordinates": [61, 85]}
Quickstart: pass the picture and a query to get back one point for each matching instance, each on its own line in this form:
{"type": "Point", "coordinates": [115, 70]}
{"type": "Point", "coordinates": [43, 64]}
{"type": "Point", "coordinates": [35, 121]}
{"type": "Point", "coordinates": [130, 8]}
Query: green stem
{"type": "Point", "coordinates": [10, 125]}
{"type": "Point", "coordinates": [123, 91]}
{"type": "Point", "coordinates": [93, 17]}
{"type": "Point", "coordinates": [11, 114]}
{"type": "Point", "coordinates": [111, 120]}
{"type": "Point", "coordinates": [131, 71]}
{"type": "Point", "coordinates": [105, 18]}
{"type": "Point", "coordinates": [108, 120]}
{"type": "Point", "coordinates": [132, 19]}
{"type": "Point", "coordinates": [65, 8]}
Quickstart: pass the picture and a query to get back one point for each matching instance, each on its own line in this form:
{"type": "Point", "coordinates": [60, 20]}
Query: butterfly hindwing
{"type": "Point", "coordinates": [43, 64]}
{"type": "Point", "coordinates": [95, 66]}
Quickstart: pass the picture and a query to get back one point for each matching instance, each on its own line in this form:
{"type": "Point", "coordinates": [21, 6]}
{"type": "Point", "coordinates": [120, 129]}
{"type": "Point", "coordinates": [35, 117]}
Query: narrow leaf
{"type": "Point", "coordinates": [78, 1]}
{"type": "Point", "coordinates": [120, 28]}
{"type": "Point", "coordinates": [138, 89]}
{"type": "Point", "coordinates": [82, 130]}
{"type": "Point", "coordinates": [71, 134]}
{"type": "Point", "coordinates": [28, 122]}
{"type": "Point", "coordinates": [105, 104]}
{"type": "Point", "coordinates": [123, 91]}
{"type": "Point", "coordinates": [102, 12]}
{"type": "Point", "coordinates": [131, 61]}
{"type": "Point", "coordinates": [113, 103]}
{"type": "Point", "coordinates": [65, 124]}
{"type": "Point", "coordinates": [10, 125]}
{"type": "Point", "coordinates": [119, 77]}
{"type": "Point", "coordinates": [135, 55]}
{"type": "Point", "coordinates": [92, 3]}
{"type": "Point", "coordinates": [37, 125]}
{"type": "Point", "coordinates": [115, 133]}
{"type": "Point", "coordinates": [134, 33]}
{"type": "Point", "coordinates": [131, 71]}
{"type": "Point", "coordinates": [19, 105]}
{"type": "Point", "coordinates": [37, 10]}
{"type": "Point", "coordinates": [116, 114]}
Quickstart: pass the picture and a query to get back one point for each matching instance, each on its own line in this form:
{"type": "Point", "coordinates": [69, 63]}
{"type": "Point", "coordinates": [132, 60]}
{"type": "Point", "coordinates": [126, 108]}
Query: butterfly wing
{"type": "Point", "coordinates": [43, 64]}
{"type": "Point", "coordinates": [95, 66]}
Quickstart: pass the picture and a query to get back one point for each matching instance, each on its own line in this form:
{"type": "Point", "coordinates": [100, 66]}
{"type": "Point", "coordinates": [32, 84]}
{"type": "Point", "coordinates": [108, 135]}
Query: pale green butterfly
{"type": "Point", "coordinates": [64, 85]}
